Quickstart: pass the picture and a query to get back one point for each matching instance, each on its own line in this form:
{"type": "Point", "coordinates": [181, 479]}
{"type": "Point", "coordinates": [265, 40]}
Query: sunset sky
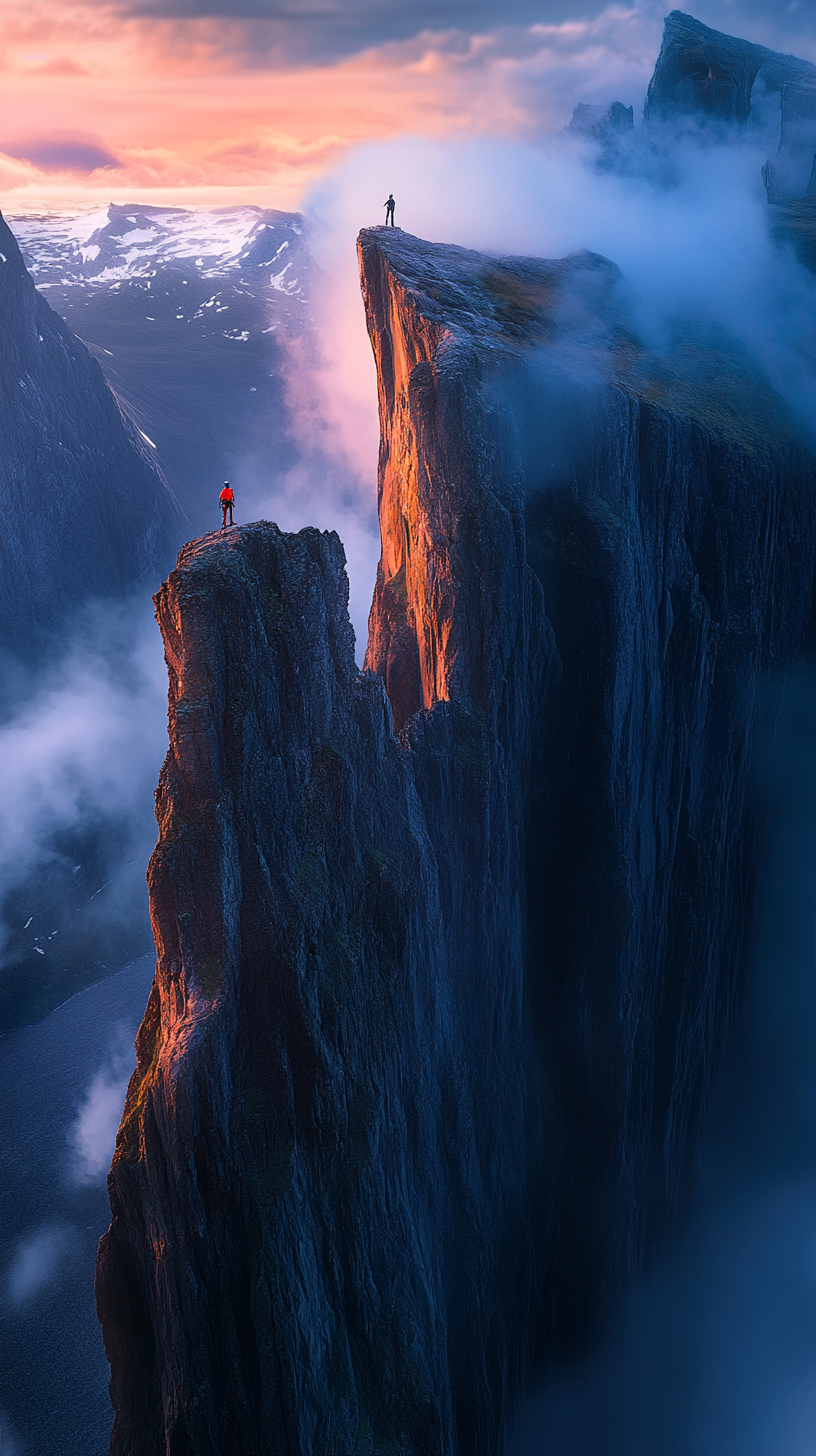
{"type": "Point", "coordinates": [211, 102]}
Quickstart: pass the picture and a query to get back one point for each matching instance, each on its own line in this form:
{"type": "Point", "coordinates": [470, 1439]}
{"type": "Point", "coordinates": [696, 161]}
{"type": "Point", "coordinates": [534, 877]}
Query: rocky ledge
{"type": "Point", "coordinates": [447, 949]}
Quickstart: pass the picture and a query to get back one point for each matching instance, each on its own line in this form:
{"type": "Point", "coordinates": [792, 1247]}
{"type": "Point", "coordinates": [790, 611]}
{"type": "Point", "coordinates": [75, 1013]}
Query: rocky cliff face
{"type": "Point", "coordinates": [437, 1011]}
{"type": "Point", "coordinates": [719, 79]}
{"type": "Point", "coordinates": [85, 513]}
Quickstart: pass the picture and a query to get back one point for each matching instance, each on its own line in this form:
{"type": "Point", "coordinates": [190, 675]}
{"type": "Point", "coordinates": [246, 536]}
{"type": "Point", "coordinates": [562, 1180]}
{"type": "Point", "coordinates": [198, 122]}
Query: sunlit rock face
{"type": "Point", "coordinates": [318, 1189]}
{"type": "Point", "coordinates": [85, 515]}
{"type": "Point", "coordinates": [437, 1011]}
{"type": "Point", "coordinates": [451, 330]}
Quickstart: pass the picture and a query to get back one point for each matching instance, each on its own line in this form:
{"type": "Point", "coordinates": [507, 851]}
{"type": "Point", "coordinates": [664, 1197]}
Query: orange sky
{"type": "Point", "coordinates": [193, 110]}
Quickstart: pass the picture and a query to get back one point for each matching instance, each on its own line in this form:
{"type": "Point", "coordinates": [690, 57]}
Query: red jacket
{"type": "Point", "coordinates": [226, 494]}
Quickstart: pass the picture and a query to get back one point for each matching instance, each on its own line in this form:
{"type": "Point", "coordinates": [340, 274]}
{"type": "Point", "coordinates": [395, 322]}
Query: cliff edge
{"type": "Point", "coordinates": [447, 949]}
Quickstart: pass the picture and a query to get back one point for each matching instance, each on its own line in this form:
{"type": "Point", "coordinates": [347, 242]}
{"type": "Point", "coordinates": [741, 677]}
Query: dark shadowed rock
{"type": "Point", "coordinates": [702, 73]}
{"type": "Point", "coordinates": [611, 131]}
{"type": "Point", "coordinates": [327, 1119]}
{"type": "Point", "coordinates": [593, 121]}
{"type": "Point", "coordinates": [795, 224]}
{"type": "Point", "coordinates": [86, 519]}
{"type": "Point", "coordinates": [720, 80]}
{"type": "Point", "coordinates": [437, 1015]}
{"type": "Point", "coordinates": [85, 514]}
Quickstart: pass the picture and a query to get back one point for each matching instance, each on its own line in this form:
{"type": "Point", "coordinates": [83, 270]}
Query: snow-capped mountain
{"type": "Point", "coordinates": [185, 311]}
{"type": "Point", "coordinates": [118, 244]}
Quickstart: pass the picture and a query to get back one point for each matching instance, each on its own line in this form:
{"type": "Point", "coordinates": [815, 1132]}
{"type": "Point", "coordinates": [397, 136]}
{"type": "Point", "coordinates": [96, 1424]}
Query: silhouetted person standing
{"type": "Point", "coordinates": [389, 210]}
{"type": "Point", "coordinates": [227, 498]}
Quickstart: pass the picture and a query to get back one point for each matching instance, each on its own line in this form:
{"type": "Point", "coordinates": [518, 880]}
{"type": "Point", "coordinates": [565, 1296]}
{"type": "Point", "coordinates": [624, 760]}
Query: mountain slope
{"type": "Point", "coordinates": [185, 312]}
{"type": "Point", "coordinates": [89, 524]}
{"type": "Point", "coordinates": [720, 80]}
{"type": "Point", "coordinates": [86, 514]}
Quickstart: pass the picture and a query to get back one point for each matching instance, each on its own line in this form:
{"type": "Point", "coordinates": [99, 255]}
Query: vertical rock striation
{"type": "Point", "coordinates": [437, 1011]}
{"type": "Point", "coordinates": [317, 1189]}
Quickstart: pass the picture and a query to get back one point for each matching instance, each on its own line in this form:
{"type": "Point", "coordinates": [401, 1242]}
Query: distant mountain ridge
{"type": "Point", "coordinates": [86, 511]}
{"type": "Point", "coordinates": [182, 309]}
{"type": "Point", "coordinates": [134, 241]}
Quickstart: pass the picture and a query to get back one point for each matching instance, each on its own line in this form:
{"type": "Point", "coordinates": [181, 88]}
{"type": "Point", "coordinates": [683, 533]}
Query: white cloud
{"type": "Point", "coordinates": [93, 1135]}
{"type": "Point", "coordinates": [85, 744]}
{"type": "Point", "coordinates": [38, 1261]}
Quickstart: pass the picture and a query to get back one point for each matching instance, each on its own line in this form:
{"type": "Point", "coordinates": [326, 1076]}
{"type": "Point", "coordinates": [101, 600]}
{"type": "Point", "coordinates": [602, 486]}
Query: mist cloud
{"type": "Point", "coordinates": [85, 743]}
{"type": "Point", "coordinates": [92, 1137]}
{"type": "Point", "coordinates": [38, 1261]}
{"type": "Point", "coordinates": [689, 231]}
{"type": "Point", "coordinates": [716, 1355]}
{"type": "Point", "coordinates": [331, 397]}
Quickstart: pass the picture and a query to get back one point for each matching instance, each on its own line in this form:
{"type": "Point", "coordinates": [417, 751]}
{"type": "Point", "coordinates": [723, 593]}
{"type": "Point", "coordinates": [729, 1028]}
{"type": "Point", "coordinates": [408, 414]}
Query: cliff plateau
{"type": "Point", "coordinates": [447, 949]}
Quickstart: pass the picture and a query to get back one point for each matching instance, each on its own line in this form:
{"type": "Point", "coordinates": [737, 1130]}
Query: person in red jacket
{"type": "Point", "coordinates": [227, 499]}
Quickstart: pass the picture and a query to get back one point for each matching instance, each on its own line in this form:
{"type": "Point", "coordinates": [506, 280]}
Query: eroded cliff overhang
{"type": "Point", "coordinates": [709, 78]}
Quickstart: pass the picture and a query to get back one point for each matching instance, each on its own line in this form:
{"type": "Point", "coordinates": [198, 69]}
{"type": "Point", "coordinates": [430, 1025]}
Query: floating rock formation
{"type": "Point", "coordinates": [447, 949]}
{"type": "Point", "coordinates": [85, 513]}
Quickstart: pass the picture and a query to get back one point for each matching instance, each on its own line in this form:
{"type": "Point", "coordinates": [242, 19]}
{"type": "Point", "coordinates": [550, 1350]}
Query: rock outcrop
{"type": "Point", "coordinates": [720, 80]}
{"type": "Point", "coordinates": [85, 514]}
{"type": "Point", "coordinates": [437, 1010]}
{"type": "Point", "coordinates": [602, 126]}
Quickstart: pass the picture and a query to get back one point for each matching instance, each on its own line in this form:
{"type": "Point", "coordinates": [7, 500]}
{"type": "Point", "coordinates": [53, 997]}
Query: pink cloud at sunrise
{"type": "Point", "coordinates": [98, 104]}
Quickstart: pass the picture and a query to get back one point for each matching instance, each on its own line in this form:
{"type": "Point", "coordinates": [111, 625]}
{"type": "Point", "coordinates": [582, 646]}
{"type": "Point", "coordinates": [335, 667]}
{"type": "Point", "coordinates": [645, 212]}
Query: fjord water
{"type": "Point", "coordinates": [59, 1084]}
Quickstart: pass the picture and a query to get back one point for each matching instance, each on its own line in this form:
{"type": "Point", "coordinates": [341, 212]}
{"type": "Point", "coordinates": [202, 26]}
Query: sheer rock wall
{"type": "Point", "coordinates": [719, 80]}
{"type": "Point", "coordinates": [437, 1012]}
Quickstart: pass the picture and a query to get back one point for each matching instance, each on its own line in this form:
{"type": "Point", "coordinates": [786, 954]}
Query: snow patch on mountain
{"type": "Point", "coordinates": [103, 248]}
